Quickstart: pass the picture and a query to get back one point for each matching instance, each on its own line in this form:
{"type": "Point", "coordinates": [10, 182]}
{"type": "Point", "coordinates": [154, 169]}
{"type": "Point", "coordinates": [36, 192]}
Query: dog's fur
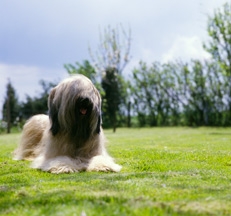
{"type": "Point", "coordinates": [70, 139]}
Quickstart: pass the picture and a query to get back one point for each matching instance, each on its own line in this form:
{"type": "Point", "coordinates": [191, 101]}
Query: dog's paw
{"type": "Point", "coordinates": [116, 168]}
{"type": "Point", "coordinates": [62, 169]}
{"type": "Point", "coordinates": [103, 164]}
{"type": "Point", "coordinates": [105, 168]}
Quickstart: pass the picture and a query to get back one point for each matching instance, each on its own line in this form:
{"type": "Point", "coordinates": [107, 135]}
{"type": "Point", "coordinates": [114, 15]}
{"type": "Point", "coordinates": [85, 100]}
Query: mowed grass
{"type": "Point", "coordinates": [166, 171]}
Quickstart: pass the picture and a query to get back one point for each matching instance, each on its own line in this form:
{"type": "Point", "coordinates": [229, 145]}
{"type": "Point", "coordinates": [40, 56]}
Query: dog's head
{"type": "Point", "coordinates": [75, 108]}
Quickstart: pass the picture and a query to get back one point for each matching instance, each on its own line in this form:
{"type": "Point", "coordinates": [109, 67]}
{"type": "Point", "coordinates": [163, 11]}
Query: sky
{"type": "Point", "coordinates": [38, 37]}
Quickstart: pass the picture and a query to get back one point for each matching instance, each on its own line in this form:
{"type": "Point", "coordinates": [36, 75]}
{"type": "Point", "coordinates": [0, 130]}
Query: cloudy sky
{"type": "Point", "coordinates": [38, 37]}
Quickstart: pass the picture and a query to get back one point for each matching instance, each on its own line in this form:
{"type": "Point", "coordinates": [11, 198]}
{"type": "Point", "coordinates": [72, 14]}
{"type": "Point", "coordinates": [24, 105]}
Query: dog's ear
{"type": "Point", "coordinates": [98, 124]}
{"type": "Point", "coordinates": [53, 113]}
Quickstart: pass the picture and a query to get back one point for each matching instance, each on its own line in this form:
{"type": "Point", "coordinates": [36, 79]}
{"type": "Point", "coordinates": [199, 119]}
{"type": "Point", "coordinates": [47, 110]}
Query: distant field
{"type": "Point", "coordinates": [166, 171]}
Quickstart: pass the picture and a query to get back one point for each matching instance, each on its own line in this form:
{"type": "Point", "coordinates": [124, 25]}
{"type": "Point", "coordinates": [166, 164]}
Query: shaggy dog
{"type": "Point", "coordinates": [70, 139]}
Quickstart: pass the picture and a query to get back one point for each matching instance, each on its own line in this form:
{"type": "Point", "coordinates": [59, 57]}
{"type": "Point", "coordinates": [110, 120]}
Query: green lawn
{"type": "Point", "coordinates": [166, 171]}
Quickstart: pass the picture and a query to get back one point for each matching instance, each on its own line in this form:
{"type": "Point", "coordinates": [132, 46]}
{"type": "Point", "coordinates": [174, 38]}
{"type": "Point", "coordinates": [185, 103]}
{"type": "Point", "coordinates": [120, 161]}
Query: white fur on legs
{"type": "Point", "coordinates": [60, 164]}
{"type": "Point", "coordinates": [64, 164]}
{"type": "Point", "coordinates": [103, 163]}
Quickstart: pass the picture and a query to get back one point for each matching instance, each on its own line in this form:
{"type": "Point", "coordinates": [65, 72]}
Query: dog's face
{"type": "Point", "coordinates": [75, 108]}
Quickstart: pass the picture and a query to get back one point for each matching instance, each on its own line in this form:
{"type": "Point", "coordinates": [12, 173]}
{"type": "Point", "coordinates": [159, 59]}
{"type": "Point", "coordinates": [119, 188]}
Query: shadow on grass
{"type": "Point", "coordinates": [217, 133]}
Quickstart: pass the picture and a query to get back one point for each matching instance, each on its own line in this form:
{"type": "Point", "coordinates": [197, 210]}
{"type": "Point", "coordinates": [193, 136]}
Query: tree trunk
{"type": "Point", "coordinates": [129, 115]}
{"type": "Point", "coordinates": [114, 123]}
{"type": "Point", "coordinates": [8, 112]}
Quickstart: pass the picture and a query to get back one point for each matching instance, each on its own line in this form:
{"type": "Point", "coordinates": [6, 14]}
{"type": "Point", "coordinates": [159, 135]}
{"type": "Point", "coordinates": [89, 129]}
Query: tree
{"type": "Point", "coordinates": [110, 84]}
{"type": "Point", "coordinates": [86, 69]}
{"type": "Point", "coordinates": [178, 93]}
{"type": "Point", "coordinates": [219, 46]}
{"type": "Point", "coordinates": [10, 106]}
{"type": "Point", "coordinates": [151, 101]}
{"type": "Point", "coordinates": [110, 60]}
{"type": "Point", "coordinates": [219, 30]}
{"type": "Point", "coordinates": [37, 105]}
{"type": "Point", "coordinates": [113, 51]}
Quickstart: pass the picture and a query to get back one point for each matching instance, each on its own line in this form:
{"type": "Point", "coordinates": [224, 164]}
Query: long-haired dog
{"type": "Point", "coordinates": [71, 138]}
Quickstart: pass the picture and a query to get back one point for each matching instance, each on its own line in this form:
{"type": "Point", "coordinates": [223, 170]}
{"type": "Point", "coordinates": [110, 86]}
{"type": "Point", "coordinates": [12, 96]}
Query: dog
{"type": "Point", "coordinates": [69, 139]}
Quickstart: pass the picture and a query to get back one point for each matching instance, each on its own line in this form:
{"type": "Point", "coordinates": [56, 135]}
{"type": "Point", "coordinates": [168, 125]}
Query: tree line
{"type": "Point", "coordinates": [195, 93]}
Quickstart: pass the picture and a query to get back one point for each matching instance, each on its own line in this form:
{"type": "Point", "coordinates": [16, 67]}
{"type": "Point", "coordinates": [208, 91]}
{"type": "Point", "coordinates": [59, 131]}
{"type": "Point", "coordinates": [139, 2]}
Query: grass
{"type": "Point", "coordinates": [166, 171]}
